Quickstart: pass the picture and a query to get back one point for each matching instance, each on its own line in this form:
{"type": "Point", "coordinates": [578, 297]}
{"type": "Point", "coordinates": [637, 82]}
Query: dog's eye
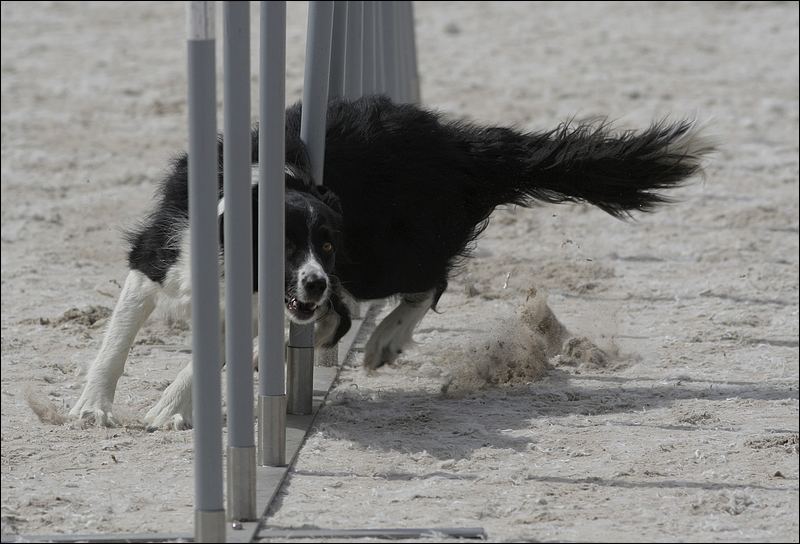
{"type": "Point", "coordinates": [327, 247]}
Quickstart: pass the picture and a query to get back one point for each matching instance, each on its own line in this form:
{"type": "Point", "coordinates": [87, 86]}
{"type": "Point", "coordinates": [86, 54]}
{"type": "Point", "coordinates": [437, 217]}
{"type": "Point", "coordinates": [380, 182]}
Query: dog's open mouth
{"type": "Point", "coordinates": [301, 310]}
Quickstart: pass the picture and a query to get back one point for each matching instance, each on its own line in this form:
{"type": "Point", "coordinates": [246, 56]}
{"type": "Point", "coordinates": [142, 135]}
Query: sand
{"type": "Point", "coordinates": [670, 414]}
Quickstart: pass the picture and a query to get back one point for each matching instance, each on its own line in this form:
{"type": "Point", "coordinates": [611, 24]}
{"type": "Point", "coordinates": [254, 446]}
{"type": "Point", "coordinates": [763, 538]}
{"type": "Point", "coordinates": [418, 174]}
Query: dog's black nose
{"type": "Point", "coordinates": [315, 286]}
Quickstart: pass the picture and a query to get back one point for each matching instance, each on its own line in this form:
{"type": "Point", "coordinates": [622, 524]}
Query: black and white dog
{"type": "Point", "coordinates": [406, 192]}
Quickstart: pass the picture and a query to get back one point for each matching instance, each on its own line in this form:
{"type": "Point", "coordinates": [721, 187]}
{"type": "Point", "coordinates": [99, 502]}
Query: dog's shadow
{"type": "Point", "coordinates": [417, 421]}
{"type": "Point", "coordinates": [423, 423]}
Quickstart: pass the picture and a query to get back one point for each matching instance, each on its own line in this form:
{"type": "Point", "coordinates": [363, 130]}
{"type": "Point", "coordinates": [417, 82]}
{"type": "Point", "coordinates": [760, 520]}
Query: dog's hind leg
{"type": "Point", "coordinates": [135, 304]}
{"type": "Point", "coordinates": [395, 331]}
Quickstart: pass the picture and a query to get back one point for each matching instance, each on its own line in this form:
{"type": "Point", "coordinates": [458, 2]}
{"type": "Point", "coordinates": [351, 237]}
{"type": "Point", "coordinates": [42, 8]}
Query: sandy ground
{"type": "Point", "coordinates": [687, 428]}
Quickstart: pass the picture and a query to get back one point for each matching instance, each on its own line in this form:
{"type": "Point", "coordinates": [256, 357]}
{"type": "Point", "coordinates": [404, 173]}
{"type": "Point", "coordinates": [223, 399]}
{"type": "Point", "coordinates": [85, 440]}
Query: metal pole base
{"type": "Point", "coordinates": [300, 380]}
{"type": "Point", "coordinates": [209, 526]}
{"type": "Point", "coordinates": [272, 430]}
{"type": "Point", "coordinates": [241, 484]}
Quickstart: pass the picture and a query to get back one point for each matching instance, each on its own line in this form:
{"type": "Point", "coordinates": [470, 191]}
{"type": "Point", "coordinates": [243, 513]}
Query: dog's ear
{"type": "Point", "coordinates": [299, 185]}
{"type": "Point", "coordinates": [302, 184]}
{"type": "Point", "coordinates": [329, 198]}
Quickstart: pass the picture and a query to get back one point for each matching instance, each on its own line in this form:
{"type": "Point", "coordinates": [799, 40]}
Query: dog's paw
{"type": "Point", "coordinates": [167, 418]}
{"type": "Point", "coordinates": [174, 409]}
{"type": "Point", "coordinates": [92, 407]}
{"type": "Point", "coordinates": [381, 350]}
{"type": "Point", "coordinates": [166, 422]}
{"type": "Point", "coordinates": [395, 333]}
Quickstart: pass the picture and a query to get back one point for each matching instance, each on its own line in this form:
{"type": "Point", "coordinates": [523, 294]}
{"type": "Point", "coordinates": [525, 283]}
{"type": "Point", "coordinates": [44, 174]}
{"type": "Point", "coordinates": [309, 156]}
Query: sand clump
{"type": "Point", "coordinates": [91, 316]}
{"type": "Point", "coordinates": [537, 316]}
{"type": "Point", "coordinates": [581, 351]}
{"type": "Point", "coordinates": [46, 411]}
{"type": "Point", "coordinates": [787, 442]}
{"type": "Point", "coordinates": [522, 349]}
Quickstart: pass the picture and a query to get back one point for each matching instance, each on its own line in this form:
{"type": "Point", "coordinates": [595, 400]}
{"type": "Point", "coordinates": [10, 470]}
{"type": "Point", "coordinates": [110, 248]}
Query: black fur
{"type": "Point", "coordinates": [413, 190]}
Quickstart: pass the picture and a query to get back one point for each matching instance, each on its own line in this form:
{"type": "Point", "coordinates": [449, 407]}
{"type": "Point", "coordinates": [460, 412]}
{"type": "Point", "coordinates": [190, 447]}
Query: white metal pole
{"type": "Point", "coordinates": [238, 222]}
{"type": "Point", "coordinates": [353, 78]}
{"type": "Point", "coordinates": [204, 237]}
{"type": "Point", "coordinates": [300, 383]}
{"type": "Point", "coordinates": [272, 158]}
{"type": "Point", "coordinates": [380, 57]}
{"type": "Point", "coordinates": [390, 50]}
{"type": "Point", "coordinates": [369, 77]}
{"type": "Point", "coordinates": [416, 93]}
{"type": "Point", "coordinates": [338, 49]}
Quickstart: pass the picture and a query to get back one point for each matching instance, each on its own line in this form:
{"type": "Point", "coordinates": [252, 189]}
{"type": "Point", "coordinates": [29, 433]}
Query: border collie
{"type": "Point", "coordinates": [406, 192]}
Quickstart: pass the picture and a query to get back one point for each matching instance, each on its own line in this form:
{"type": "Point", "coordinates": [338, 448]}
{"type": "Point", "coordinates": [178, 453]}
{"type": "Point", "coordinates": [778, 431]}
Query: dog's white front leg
{"type": "Point", "coordinates": [396, 330]}
{"type": "Point", "coordinates": [174, 408]}
{"type": "Point", "coordinates": [135, 304]}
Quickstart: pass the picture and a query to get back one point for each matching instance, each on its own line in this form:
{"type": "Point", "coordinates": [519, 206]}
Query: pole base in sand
{"type": "Point", "coordinates": [300, 380]}
{"type": "Point", "coordinates": [241, 484]}
{"type": "Point", "coordinates": [272, 430]}
{"type": "Point", "coordinates": [209, 525]}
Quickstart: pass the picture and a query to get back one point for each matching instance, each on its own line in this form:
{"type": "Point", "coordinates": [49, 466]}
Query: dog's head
{"type": "Point", "coordinates": [313, 238]}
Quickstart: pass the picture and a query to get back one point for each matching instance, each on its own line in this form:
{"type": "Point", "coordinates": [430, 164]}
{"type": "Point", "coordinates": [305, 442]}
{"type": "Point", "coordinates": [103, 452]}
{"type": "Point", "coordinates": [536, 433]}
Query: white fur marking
{"type": "Point", "coordinates": [136, 302]}
{"type": "Point", "coordinates": [295, 173]}
{"type": "Point", "coordinates": [310, 268]}
{"type": "Point", "coordinates": [253, 182]}
{"type": "Point", "coordinates": [139, 297]}
{"type": "Point", "coordinates": [395, 332]}
{"type": "Point", "coordinates": [174, 408]}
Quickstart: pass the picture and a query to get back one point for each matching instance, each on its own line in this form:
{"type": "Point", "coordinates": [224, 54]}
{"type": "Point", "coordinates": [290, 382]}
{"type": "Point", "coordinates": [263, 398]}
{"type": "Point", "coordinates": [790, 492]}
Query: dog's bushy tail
{"type": "Point", "coordinates": [619, 173]}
